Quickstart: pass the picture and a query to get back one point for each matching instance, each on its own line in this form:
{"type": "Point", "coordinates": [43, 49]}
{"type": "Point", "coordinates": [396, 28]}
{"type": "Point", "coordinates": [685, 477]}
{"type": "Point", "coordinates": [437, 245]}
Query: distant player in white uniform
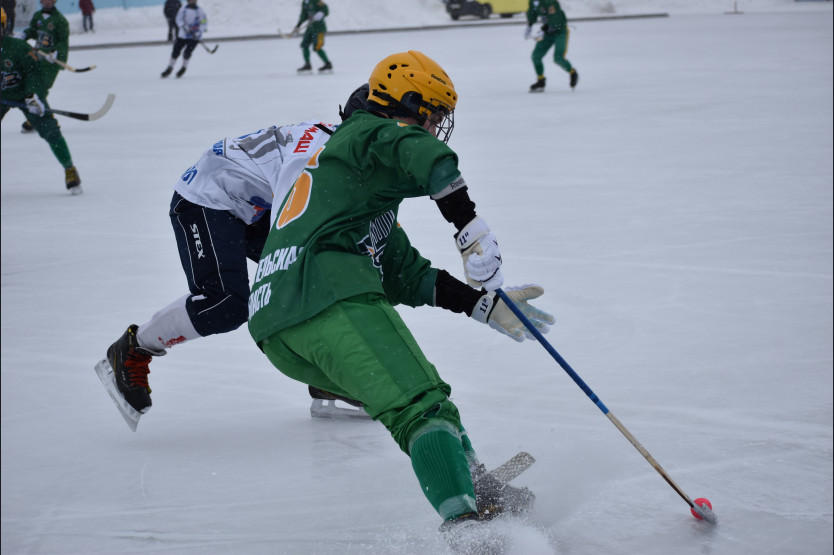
{"type": "Point", "coordinates": [220, 212]}
{"type": "Point", "coordinates": [191, 24]}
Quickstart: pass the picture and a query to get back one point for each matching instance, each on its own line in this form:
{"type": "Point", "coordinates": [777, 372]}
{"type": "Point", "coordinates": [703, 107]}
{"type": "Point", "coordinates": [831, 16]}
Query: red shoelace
{"type": "Point", "coordinates": [137, 368]}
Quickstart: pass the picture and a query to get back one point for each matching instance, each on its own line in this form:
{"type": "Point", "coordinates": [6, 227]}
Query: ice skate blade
{"type": "Point", "coordinates": [327, 408]}
{"type": "Point", "coordinates": [513, 467]}
{"type": "Point", "coordinates": [105, 374]}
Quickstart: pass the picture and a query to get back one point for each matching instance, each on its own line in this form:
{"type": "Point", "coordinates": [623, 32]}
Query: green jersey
{"type": "Point", "coordinates": [309, 8]}
{"type": "Point", "coordinates": [51, 33]}
{"type": "Point", "coordinates": [549, 13]}
{"type": "Point", "coordinates": [336, 233]}
{"type": "Point", "coordinates": [20, 70]}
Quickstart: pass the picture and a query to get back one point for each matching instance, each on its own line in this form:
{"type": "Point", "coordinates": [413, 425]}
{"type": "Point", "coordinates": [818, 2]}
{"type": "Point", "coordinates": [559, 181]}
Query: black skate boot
{"type": "Point", "coordinates": [167, 72]}
{"type": "Point", "coordinates": [324, 405]}
{"type": "Point", "coordinates": [538, 86]}
{"type": "Point", "coordinates": [574, 78]}
{"type": "Point", "coordinates": [73, 181]}
{"type": "Point", "coordinates": [27, 127]}
{"type": "Point", "coordinates": [317, 393]}
{"type": "Point", "coordinates": [326, 67]}
{"type": "Point", "coordinates": [181, 72]}
{"type": "Point", "coordinates": [130, 369]}
{"type": "Point", "coordinates": [493, 497]}
{"type": "Point", "coordinates": [305, 67]}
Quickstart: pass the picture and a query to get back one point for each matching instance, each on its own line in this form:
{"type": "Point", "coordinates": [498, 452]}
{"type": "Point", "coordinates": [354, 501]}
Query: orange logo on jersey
{"type": "Point", "coordinates": [299, 196]}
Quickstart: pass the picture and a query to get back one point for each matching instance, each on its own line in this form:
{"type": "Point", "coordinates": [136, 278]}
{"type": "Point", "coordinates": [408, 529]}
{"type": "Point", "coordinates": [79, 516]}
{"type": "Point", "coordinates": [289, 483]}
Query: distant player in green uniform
{"type": "Point", "coordinates": [313, 12]}
{"type": "Point", "coordinates": [336, 261]}
{"type": "Point", "coordinates": [23, 83]}
{"type": "Point", "coordinates": [50, 31]}
{"type": "Point", "coordinates": [554, 33]}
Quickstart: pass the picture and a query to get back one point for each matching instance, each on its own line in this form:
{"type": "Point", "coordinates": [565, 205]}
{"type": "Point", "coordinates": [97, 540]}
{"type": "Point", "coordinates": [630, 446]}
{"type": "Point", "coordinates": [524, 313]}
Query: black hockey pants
{"type": "Point", "coordinates": [214, 246]}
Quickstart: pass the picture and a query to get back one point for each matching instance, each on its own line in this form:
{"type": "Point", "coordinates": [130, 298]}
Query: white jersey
{"type": "Point", "coordinates": [191, 22]}
{"type": "Point", "coordinates": [244, 175]}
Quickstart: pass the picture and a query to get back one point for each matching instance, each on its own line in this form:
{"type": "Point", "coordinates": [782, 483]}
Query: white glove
{"type": "Point", "coordinates": [34, 105]}
{"type": "Point", "coordinates": [318, 16]}
{"type": "Point", "coordinates": [538, 36]}
{"type": "Point", "coordinates": [527, 32]}
{"type": "Point", "coordinates": [481, 258]}
{"type": "Point", "coordinates": [51, 56]}
{"type": "Point", "coordinates": [494, 311]}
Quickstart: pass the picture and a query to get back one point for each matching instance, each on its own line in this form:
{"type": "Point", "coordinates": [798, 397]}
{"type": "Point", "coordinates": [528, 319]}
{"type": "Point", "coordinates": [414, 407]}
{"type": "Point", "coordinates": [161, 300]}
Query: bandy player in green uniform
{"type": "Point", "coordinates": [22, 82]}
{"type": "Point", "coordinates": [50, 31]}
{"type": "Point", "coordinates": [336, 260]}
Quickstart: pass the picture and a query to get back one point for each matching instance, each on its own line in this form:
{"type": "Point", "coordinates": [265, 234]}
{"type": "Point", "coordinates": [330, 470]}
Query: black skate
{"type": "Point", "coordinates": [181, 72]}
{"type": "Point", "coordinates": [167, 72]}
{"type": "Point", "coordinates": [327, 67]}
{"type": "Point", "coordinates": [493, 497]}
{"type": "Point", "coordinates": [73, 181]}
{"type": "Point", "coordinates": [306, 67]}
{"type": "Point", "coordinates": [130, 368]}
{"type": "Point", "coordinates": [27, 127]}
{"type": "Point", "coordinates": [574, 78]}
{"type": "Point", "coordinates": [538, 86]}
{"type": "Point", "coordinates": [324, 405]}
{"type": "Point", "coordinates": [124, 374]}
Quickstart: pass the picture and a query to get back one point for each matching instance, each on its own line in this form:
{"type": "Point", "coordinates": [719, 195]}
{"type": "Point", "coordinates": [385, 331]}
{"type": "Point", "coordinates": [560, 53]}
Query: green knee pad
{"type": "Point", "coordinates": [441, 466]}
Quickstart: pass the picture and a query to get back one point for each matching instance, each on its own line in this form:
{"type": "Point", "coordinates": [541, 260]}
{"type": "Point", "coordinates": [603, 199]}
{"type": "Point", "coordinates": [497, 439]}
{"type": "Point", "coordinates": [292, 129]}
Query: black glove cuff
{"type": "Point", "coordinates": [454, 295]}
{"type": "Point", "coordinates": [457, 208]}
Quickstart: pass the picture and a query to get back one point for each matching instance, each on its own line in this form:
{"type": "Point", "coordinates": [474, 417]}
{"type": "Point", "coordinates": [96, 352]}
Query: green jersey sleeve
{"type": "Point", "coordinates": [409, 278]}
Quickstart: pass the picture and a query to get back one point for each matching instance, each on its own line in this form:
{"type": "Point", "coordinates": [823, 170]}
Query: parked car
{"type": "Point", "coordinates": [484, 8]}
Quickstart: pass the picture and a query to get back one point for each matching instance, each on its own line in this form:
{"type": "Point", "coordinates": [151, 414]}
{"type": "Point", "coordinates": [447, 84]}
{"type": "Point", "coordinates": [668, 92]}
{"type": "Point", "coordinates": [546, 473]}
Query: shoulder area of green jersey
{"type": "Point", "coordinates": [363, 118]}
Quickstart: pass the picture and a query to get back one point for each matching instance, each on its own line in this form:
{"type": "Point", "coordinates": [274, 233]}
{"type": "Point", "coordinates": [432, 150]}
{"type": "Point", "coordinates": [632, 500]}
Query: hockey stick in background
{"type": "Point", "coordinates": [294, 32]}
{"type": "Point", "coordinates": [68, 67]}
{"type": "Point", "coordinates": [209, 50]}
{"type": "Point", "coordinates": [703, 510]}
{"type": "Point", "coordinates": [75, 115]}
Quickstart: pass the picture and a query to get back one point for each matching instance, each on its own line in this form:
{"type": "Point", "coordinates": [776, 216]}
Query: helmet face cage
{"type": "Point", "coordinates": [413, 105]}
{"type": "Point", "coordinates": [446, 126]}
{"type": "Point", "coordinates": [410, 84]}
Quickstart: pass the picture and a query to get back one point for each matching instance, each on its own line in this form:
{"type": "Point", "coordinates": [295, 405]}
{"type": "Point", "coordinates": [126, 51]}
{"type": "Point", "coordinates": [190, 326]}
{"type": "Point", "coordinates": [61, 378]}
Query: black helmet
{"type": "Point", "coordinates": [358, 100]}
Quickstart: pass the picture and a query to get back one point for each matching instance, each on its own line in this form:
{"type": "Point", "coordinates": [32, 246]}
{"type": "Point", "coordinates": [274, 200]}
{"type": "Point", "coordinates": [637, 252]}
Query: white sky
{"type": "Point", "coordinates": [677, 208]}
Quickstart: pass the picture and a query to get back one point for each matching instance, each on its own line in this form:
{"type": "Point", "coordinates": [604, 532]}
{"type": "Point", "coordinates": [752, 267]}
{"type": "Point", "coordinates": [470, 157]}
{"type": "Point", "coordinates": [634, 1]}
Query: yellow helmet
{"type": "Point", "coordinates": [3, 17]}
{"type": "Point", "coordinates": [410, 84]}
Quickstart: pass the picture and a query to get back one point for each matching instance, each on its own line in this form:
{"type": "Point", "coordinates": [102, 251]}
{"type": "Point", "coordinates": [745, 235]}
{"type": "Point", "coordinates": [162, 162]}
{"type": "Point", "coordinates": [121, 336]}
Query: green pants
{"type": "Point", "coordinates": [48, 73]}
{"type": "Point", "coordinates": [360, 348]}
{"type": "Point", "coordinates": [49, 130]}
{"type": "Point", "coordinates": [559, 42]}
{"type": "Point", "coordinates": [314, 37]}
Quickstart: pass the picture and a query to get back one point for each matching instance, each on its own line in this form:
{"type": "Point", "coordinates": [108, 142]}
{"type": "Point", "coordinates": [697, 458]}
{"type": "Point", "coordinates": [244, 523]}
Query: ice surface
{"type": "Point", "coordinates": [677, 208]}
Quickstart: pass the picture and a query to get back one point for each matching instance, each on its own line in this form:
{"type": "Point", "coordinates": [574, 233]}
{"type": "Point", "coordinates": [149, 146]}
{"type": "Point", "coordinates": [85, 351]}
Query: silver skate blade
{"type": "Point", "coordinates": [513, 467]}
{"type": "Point", "coordinates": [108, 380]}
{"type": "Point", "coordinates": [705, 512]}
{"type": "Point", "coordinates": [327, 408]}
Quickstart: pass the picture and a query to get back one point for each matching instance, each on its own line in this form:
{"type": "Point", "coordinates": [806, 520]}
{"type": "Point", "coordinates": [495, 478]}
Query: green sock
{"type": "Point", "coordinates": [440, 464]}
